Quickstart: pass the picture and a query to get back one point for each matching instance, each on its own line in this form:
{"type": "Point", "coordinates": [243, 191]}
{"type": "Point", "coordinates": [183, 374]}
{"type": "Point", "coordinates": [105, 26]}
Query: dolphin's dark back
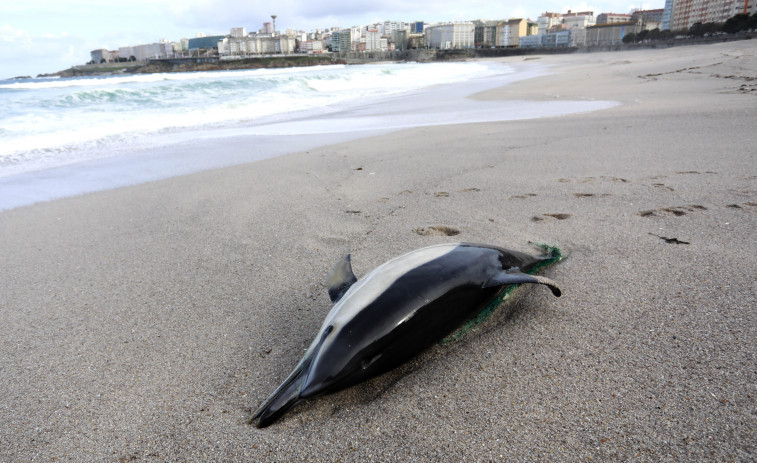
{"type": "Point", "coordinates": [397, 311]}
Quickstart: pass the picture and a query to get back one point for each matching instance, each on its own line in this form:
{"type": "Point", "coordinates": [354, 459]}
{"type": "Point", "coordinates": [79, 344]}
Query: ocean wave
{"type": "Point", "coordinates": [46, 119]}
{"type": "Point", "coordinates": [63, 82]}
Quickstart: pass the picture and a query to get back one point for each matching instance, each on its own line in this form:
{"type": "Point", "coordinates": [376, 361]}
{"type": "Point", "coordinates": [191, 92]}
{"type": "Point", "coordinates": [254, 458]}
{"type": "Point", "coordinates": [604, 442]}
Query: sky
{"type": "Point", "coordinates": [45, 36]}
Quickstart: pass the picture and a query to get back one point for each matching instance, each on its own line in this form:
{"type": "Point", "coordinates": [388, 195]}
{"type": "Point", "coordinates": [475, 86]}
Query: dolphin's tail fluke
{"type": "Point", "coordinates": [282, 399]}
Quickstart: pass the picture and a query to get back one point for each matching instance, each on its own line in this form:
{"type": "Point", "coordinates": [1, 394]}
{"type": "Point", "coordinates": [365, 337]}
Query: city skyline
{"type": "Point", "coordinates": [49, 36]}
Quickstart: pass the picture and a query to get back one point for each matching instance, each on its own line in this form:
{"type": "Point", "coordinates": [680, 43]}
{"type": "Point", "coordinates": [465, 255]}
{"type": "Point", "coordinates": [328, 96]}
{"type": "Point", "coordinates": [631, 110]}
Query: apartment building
{"type": "Point", "coordinates": [399, 39]}
{"type": "Point", "coordinates": [684, 13]}
{"type": "Point", "coordinates": [486, 33]}
{"type": "Point", "coordinates": [666, 15]}
{"type": "Point", "coordinates": [609, 34]}
{"type": "Point", "coordinates": [649, 16]}
{"type": "Point", "coordinates": [341, 40]}
{"type": "Point", "coordinates": [610, 18]}
{"type": "Point", "coordinates": [372, 40]}
{"type": "Point", "coordinates": [577, 23]}
{"type": "Point", "coordinates": [238, 32]}
{"type": "Point", "coordinates": [580, 20]}
{"type": "Point", "coordinates": [311, 46]}
{"type": "Point", "coordinates": [458, 34]}
{"type": "Point", "coordinates": [146, 52]}
{"type": "Point", "coordinates": [548, 40]}
{"type": "Point", "coordinates": [256, 44]}
{"type": "Point", "coordinates": [509, 32]}
{"type": "Point", "coordinates": [547, 20]}
{"type": "Point", "coordinates": [393, 26]}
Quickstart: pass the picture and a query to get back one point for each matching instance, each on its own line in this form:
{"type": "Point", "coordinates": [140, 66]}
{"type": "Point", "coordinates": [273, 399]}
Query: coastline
{"type": "Point", "coordinates": [146, 322]}
{"type": "Point", "coordinates": [174, 152]}
{"type": "Point", "coordinates": [412, 55]}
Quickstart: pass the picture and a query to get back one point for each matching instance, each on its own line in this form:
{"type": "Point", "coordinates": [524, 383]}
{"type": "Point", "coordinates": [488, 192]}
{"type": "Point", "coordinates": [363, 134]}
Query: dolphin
{"type": "Point", "coordinates": [396, 311]}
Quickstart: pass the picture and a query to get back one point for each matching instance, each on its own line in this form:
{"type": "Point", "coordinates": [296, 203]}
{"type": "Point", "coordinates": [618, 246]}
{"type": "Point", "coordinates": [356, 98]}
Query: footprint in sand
{"type": "Point", "coordinates": [738, 206]}
{"type": "Point", "coordinates": [662, 186]}
{"type": "Point", "coordinates": [590, 195]}
{"type": "Point", "coordinates": [593, 180]}
{"type": "Point", "coordinates": [560, 216]}
{"type": "Point", "coordinates": [437, 230]}
{"type": "Point", "coordinates": [676, 211]}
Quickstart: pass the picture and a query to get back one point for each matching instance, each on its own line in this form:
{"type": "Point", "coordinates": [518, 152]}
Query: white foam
{"type": "Point", "coordinates": [49, 117]}
{"type": "Point", "coordinates": [131, 153]}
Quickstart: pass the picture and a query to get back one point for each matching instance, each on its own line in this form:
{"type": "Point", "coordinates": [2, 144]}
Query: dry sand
{"type": "Point", "coordinates": [145, 323]}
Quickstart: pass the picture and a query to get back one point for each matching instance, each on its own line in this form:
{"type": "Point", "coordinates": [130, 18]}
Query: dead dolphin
{"type": "Point", "coordinates": [396, 311]}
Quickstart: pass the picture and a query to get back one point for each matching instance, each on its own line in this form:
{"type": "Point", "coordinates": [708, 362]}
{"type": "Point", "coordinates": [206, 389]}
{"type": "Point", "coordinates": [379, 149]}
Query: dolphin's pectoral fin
{"type": "Point", "coordinates": [514, 278]}
{"type": "Point", "coordinates": [282, 399]}
{"type": "Point", "coordinates": [340, 279]}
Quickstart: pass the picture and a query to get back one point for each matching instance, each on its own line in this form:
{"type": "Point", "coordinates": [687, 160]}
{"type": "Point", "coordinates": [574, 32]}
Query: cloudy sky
{"type": "Point", "coordinates": [41, 36]}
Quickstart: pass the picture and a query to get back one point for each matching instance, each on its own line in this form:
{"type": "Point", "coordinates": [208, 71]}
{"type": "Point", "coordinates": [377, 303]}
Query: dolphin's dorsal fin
{"type": "Point", "coordinates": [514, 277]}
{"type": "Point", "coordinates": [340, 279]}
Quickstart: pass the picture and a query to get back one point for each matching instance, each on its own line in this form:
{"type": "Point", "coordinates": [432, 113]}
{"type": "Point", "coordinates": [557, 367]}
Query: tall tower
{"type": "Point", "coordinates": [273, 16]}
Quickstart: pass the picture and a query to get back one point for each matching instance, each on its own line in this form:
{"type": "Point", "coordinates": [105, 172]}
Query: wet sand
{"type": "Point", "coordinates": [145, 323]}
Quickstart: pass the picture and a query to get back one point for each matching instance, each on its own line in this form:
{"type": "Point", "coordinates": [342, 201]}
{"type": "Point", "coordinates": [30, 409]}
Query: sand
{"type": "Point", "coordinates": [145, 323]}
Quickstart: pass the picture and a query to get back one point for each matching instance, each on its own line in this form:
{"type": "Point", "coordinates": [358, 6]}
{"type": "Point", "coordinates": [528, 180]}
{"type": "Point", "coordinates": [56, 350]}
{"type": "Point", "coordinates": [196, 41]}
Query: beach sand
{"type": "Point", "coordinates": [146, 323]}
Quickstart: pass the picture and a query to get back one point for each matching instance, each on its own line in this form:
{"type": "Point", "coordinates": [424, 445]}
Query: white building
{"type": "Point", "coordinates": [548, 40]}
{"type": "Point", "coordinates": [392, 26]}
{"type": "Point", "coordinates": [238, 32]}
{"type": "Point", "coordinates": [147, 51]}
{"type": "Point", "coordinates": [580, 20]}
{"type": "Point", "coordinates": [356, 34]}
{"type": "Point", "coordinates": [577, 23]}
{"type": "Point", "coordinates": [547, 20]}
{"type": "Point", "coordinates": [256, 44]}
{"type": "Point", "coordinates": [612, 18]}
{"type": "Point", "coordinates": [286, 45]}
{"type": "Point", "coordinates": [458, 34]}
{"type": "Point", "coordinates": [311, 46]}
{"type": "Point", "coordinates": [372, 40]}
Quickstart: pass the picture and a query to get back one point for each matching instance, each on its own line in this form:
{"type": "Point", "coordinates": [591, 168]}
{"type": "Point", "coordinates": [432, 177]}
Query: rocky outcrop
{"type": "Point", "coordinates": [198, 64]}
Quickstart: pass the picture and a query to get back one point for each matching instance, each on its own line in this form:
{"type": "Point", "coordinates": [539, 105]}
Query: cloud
{"type": "Point", "coordinates": [218, 16]}
{"type": "Point", "coordinates": [10, 35]}
{"type": "Point", "coordinates": [23, 53]}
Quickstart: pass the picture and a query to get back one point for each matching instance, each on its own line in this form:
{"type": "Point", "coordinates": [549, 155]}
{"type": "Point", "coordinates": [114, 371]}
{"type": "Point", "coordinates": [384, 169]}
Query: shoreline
{"type": "Point", "coordinates": [147, 322]}
{"type": "Point", "coordinates": [164, 155]}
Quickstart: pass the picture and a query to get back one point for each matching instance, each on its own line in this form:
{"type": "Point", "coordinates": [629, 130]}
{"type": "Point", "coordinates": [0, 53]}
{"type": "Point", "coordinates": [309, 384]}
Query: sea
{"type": "Point", "coordinates": [61, 137]}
